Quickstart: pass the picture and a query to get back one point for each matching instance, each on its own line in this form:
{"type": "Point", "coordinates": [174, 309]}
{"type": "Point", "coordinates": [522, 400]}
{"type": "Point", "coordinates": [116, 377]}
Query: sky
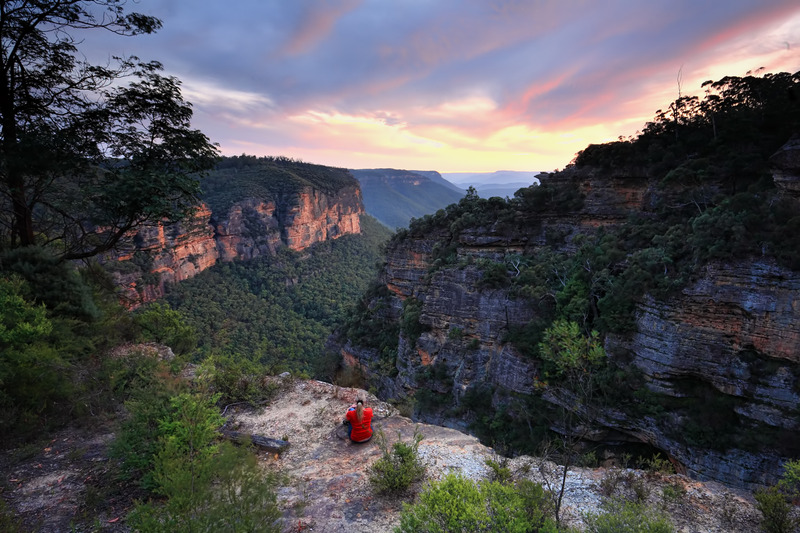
{"type": "Point", "coordinates": [448, 85]}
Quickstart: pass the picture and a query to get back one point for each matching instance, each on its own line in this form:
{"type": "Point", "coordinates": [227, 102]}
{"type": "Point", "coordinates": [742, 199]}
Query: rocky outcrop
{"type": "Point", "coordinates": [608, 197]}
{"type": "Point", "coordinates": [729, 341]}
{"type": "Point", "coordinates": [465, 325]}
{"type": "Point", "coordinates": [736, 330]}
{"type": "Point", "coordinates": [331, 491]}
{"type": "Point", "coordinates": [249, 228]}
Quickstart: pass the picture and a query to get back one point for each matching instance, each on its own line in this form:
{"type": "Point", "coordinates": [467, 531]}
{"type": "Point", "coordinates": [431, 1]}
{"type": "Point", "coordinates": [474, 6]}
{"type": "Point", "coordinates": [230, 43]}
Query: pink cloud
{"type": "Point", "coordinates": [317, 23]}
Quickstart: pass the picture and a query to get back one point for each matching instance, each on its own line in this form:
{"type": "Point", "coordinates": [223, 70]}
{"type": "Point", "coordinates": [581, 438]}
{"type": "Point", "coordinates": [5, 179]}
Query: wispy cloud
{"type": "Point", "coordinates": [316, 22]}
{"type": "Point", "coordinates": [447, 84]}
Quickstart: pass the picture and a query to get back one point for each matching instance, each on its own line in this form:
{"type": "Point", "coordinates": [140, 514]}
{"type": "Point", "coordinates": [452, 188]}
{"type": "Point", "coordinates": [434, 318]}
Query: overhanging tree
{"type": "Point", "coordinates": [85, 159]}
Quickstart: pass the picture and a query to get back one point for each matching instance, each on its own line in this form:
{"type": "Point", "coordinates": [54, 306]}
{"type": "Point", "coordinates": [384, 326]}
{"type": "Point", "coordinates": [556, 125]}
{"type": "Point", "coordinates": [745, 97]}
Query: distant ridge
{"type": "Point", "coordinates": [500, 183]}
{"type": "Point", "coordinates": [436, 177]}
{"type": "Point", "coordinates": [396, 196]}
{"type": "Point", "coordinates": [465, 179]}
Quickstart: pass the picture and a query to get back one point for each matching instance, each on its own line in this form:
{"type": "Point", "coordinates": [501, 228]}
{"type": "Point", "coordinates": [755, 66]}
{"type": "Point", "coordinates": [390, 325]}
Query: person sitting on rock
{"type": "Point", "coordinates": [359, 418]}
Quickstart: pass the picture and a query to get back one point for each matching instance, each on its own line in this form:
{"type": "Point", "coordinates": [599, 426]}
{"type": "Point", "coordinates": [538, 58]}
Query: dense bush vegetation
{"type": "Point", "coordinates": [59, 368]}
{"type": "Point", "coordinates": [459, 504]}
{"type": "Point", "coordinates": [54, 325]}
{"type": "Point", "coordinates": [621, 516]}
{"type": "Point", "coordinates": [774, 502]}
{"type": "Point", "coordinates": [776, 511]}
{"type": "Point", "coordinates": [169, 446]}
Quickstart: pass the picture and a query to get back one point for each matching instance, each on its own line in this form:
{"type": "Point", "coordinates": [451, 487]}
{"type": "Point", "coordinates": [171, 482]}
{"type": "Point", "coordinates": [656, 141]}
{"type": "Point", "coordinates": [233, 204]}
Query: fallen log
{"type": "Point", "coordinates": [265, 443]}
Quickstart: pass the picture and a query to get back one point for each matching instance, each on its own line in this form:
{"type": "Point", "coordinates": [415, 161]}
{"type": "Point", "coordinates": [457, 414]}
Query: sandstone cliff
{"type": "Point", "coordinates": [718, 359]}
{"type": "Point", "coordinates": [245, 228]}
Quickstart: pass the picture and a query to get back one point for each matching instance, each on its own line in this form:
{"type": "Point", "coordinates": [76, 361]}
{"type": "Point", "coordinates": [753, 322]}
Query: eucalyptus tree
{"type": "Point", "coordinates": [88, 152]}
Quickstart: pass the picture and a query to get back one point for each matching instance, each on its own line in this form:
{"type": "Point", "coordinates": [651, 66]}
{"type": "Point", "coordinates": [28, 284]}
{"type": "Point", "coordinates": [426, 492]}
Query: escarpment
{"type": "Point", "coordinates": [700, 327]}
{"type": "Point", "coordinates": [248, 211]}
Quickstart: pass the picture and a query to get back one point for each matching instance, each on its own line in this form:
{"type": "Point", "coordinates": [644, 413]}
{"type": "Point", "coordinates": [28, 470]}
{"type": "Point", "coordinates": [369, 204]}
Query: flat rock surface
{"type": "Point", "coordinates": [328, 489]}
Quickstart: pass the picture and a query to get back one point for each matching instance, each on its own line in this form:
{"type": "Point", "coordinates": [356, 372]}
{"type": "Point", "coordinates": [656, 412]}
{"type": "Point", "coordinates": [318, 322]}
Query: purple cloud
{"type": "Point", "coordinates": [254, 69]}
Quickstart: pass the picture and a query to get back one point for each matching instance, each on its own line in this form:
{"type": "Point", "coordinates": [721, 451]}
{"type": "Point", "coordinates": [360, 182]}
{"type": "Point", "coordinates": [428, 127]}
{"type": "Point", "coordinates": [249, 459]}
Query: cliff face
{"type": "Point", "coordinates": [164, 254]}
{"type": "Point", "coordinates": [249, 228]}
{"type": "Point", "coordinates": [736, 331]}
{"type": "Point", "coordinates": [313, 216]}
{"type": "Point", "coordinates": [728, 344]}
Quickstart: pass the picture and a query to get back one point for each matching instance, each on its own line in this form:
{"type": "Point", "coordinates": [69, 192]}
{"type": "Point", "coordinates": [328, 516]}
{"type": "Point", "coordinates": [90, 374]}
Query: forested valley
{"type": "Point", "coordinates": [275, 314]}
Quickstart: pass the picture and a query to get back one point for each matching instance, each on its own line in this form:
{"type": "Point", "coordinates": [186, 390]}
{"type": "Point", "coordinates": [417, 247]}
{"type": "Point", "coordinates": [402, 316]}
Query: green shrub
{"type": "Point", "coordinates": [566, 351]}
{"type": "Point", "coordinates": [673, 492]}
{"type": "Point", "coordinates": [624, 485]}
{"type": "Point", "coordinates": [186, 450]}
{"type": "Point", "coordinates": [8, 522]}
{"type": "Point", "coordinates": [398, 468]}
{"type": "Point", "coordinates": [457, 504]}
{"type": "Point", "coordinates": [237, 379]}
{"type": "Point", "coordinates": [658, 464]}
{"type": "Point", "coordinates": [588, 460]}
{"type": "Point", "coordinates": [34, 375]}
{"type": "Point", "coordinates": [409, 321]}
{"type": "Point", "coordinates": [161, 324]}
{"type": "Point", "coordinates": [455, 333]}
{"type": "Point", "coordinates": [790, 481]}
{"type": "Point", "coordinates": [146, 386]}
{"type": "Point", "coordinates": [622, 516]}
{"type": "Point", "coordinates": [21, 321]}
{"type": "Point", "coordinates": [499, 471]}
{"type": "Point", "coordinates": [775, 510]}
{"type": "Point", "coordinates": [209, 486]}
{"type": "Point", "coordinates": [494, 275]}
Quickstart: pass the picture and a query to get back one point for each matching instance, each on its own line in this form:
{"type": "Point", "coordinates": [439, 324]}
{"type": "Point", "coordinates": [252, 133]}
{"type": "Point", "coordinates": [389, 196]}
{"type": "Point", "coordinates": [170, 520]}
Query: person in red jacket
{"type": "Point", "coordinates": [360, 421]}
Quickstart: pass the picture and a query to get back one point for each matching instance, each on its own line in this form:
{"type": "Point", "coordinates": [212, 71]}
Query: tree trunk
{"type": "Point", "coordinates": [23, 219]}
{"type": "Point", "coordinates": [22, 228]}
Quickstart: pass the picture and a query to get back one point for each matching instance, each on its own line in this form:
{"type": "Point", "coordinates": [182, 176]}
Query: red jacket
{"type": "Point", "coordinates": [361, 430]}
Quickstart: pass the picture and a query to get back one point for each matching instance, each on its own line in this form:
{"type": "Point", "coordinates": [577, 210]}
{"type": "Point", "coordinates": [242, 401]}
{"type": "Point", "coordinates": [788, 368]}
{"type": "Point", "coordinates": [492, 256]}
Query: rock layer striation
{"type": "Point", "coordinates": [251, 227]}
{"type": "Point", "coordinates": [729, 341]}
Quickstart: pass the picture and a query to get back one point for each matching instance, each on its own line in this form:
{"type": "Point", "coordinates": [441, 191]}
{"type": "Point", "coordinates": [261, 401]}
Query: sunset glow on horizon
{"type": "Point", "coordinates": [449, 85]}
